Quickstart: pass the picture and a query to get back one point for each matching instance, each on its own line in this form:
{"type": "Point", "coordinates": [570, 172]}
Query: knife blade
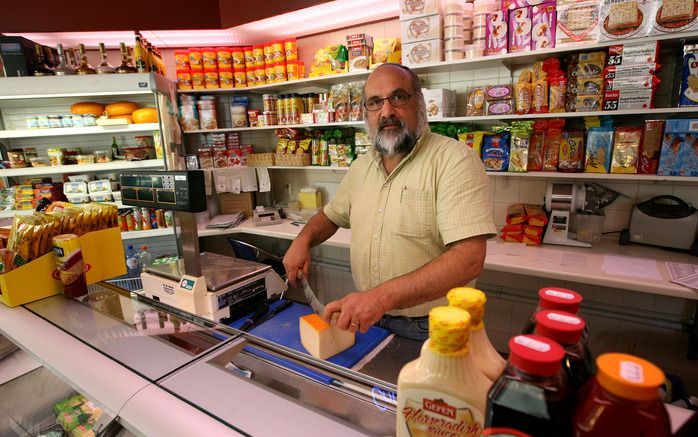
{"type": "Point", "coordinates": [254, 318]}
{"type": "Point", "coordinates": [274, 311]}
{"type": "Point", "coordinates": [313, 301]}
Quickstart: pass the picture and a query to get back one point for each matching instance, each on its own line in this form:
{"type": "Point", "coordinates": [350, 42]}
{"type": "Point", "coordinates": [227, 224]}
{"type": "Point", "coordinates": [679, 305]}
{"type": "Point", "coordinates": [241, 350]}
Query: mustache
{"type": "Point", "coordinates": [389, 121]}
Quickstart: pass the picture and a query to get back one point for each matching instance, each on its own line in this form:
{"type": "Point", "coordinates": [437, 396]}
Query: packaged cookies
{"type": "Point", "coordinates": [650, 147]}
{"type": "Point", "coordinates": [553, 138]}
{"type": "Point", "coordinates": [577, 22]}
{"type": "Point", "coordinates": [475, 105]}
{"type": "Point", "coordinates": [520, 30]}
{"type": "Point", "coordinates": [626, 148]}
{"type": "Point", "coordinates": [537, 145]}
{"type": "Point", "coordinates": [496, 33]}
{"type": "Point", "coordinates": [543, 26]}
{"type": "Point", "coordinates": [625, 19]}
{"type": "Point", "coordinates": [520, 140]}
{"type": "Point", "coordinates": [571, 152]}
{"type": "Point", "coordinates": [674, 16]}
{"type": "Point", "coordinates": [689, 76]}
{"type": "Point", "coordinates": [495, 151]}
{"type": "Point", "coordinates": [598, 150]}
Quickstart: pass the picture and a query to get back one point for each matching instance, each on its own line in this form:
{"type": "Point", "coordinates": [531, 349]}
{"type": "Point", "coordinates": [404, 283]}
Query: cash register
{"type": "Point", "coordinates": [217, 287]}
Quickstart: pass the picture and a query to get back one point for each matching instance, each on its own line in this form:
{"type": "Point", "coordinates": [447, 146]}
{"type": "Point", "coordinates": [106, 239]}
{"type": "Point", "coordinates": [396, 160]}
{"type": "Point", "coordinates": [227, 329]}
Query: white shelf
{"type": "Point", "coordinates": [295, 126]}
{"type": "Point", "coordinates": [647, 112]}
{"type": "Point", "coordinates": [599, 176]}
{"type": "Point", "coordinates": [309, 168]}
{"type": "Point", "coordinates": [66, 131]}
{"type": "Point", "coordinates": [132, 235]}
{"type": "Point", "coordinates": [87, 168]}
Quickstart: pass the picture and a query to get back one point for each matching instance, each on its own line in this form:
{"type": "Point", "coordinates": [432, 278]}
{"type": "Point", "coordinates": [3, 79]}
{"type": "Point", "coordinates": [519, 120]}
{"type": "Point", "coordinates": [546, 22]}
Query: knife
{"type": "Point", "coordinates": [254, 318]}
{"type": "Point", "coordinates": [274, 311]}
{"type": "Point", "coordinates": [318, 307]}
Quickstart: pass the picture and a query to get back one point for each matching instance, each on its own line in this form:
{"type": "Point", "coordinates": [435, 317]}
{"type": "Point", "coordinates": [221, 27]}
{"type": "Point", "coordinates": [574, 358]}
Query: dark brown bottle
{"type": "Point", "coordinates": [41, 68]}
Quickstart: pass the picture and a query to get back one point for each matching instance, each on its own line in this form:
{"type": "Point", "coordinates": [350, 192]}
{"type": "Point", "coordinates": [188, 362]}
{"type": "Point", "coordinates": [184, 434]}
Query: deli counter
{"type": "Point", "coordinates": [156, 370]}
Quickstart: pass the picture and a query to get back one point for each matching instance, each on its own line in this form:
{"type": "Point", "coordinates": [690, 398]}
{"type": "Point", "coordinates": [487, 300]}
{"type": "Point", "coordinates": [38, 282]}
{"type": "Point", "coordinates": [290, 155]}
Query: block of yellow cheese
{"type": "Point", "coordinates": [321, 339]}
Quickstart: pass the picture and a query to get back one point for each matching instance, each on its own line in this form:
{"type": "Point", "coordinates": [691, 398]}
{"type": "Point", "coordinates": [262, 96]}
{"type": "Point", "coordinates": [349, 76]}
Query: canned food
{"type": "Point", "coordinates": [181, 60]}
{"type": "Point", "coordinates": [211, 78]}
{"type": "Point", "coordinates": [196, 61]}
{"type": "Point", "coordinates": [146, 223]}
{"type": "Point", "coordinates": [260, 76]}
{"type": "Point", "coordinates": [184, 79]}
{"type": "Point", "coordinates": [169, 219]}
{"type": "Point", "coordinates": [16, 158]}
{"type": "Point", "coordinates": [224, 57]}
{"type": "Point", "coordinates": [32, 123]}
{"type": "Point", "coordinates": [250, 77]}
{"type": "Point", "coordinates": [279, 72]}
{"type": "Point", "coordinates": [71, 268]}
{"type": "Point", "coordinates": [292, 70]}
{"type": "Point", "coordinates": [271, 119]}
{"type": "Point", "coordinates": [269, 102]}
{"type": "Point", "coordinates": [249, 58]}
{"type": "Point", "coordinates": [278, 53]}
{"type": "Point", "coordinates": [209, 58]}
{"type": "Point", "coordinates": [291, 49]}
{"type": "Point", "coordinates": [89, 120]}
{"type": "Point", "coordinates": [268, 54]}
{"type": "Point", "coordinates": [225, 76]}
{"type": "Point", "coordinates": [240, 78]}
{"type": "Point", "coordinates": [269, 73]}
{"type": "Point", "coordinates": [137, 219]}
{"type": "Point", "coordinates": [153, 220]}
{"type": "Point", "coordinates": [54, 121]}
{"type": "Point", "coordinates": [258, 53]}
{"type": "Point", "coordinates": [55, 156]}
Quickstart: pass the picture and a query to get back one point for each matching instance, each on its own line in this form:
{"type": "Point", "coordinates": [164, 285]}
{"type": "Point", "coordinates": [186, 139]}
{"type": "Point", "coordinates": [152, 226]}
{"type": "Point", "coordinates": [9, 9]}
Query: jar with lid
{"type": "Point", "coordinates": [258, 53]}
{"type": "Point", "coordinates": [181, 59]}
{"type": "Point", "coordinates": [268, 54]}
{"type": "Point", "coordinates": [211, 78]}
{"type": "Point", "coordinates": [271, 118]}
{"type": "Point", "coordinates": [209, 59]}
{"type": "Point", "coordinates": [281, 109]}
{"type": "Point", "coordinates": [240, 78]}
{"type": "Point", "coordinates": [224, 57]}
{"type": "Point", "coordinates": [556, 298]}
{"type": "Point", "coordinates": [225, 76]}
{"type": "Point", "coordinates": [250, 77]}
{"type": "Point", "coordinates": [269, 73]}
{"type": "Point", "coordinates": [16, 158]}
{"type": "Point", "coordinates": [196, 61]}
{"type": "Point", "coordinates": [622, 400]}
{"type": "Point", "coordinates": [294, 109]}
{"type": "Point", "coordinates": [260, 75]}
{"type": "Point", "coordinates": [292, 70]}
{"type": "Point", "coordinates": [238, 58]}
{"type": "Point", "coordinates": [198, 79]}
{"type": "Point", "coordinates": [184, 80]}
{"type": "Point", "coordinates": [309, 101]}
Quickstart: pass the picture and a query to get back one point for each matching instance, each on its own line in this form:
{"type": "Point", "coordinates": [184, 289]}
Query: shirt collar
{"type": "Point", "coordinates": [376, 157]}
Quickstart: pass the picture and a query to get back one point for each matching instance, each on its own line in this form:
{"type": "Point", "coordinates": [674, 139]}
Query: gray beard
{"type": "Point", "coordinates": [394, 141]}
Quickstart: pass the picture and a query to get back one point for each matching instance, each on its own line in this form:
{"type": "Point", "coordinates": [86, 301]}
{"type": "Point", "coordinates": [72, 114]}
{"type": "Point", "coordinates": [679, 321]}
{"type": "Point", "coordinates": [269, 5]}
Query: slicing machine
{"type": "Point", "coordinates": [210, 285]}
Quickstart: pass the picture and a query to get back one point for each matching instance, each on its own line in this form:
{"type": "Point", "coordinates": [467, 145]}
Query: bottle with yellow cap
{"type": "Point", "coordinates": [442, 392]}
{"type": "Point", "coordinates": [485, 355]}
{"type": "Point", "coordinates": [623, 400]}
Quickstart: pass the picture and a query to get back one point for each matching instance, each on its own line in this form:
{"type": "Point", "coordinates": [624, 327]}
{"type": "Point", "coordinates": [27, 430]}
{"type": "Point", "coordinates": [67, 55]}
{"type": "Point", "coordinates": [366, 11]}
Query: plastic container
{"type": "Point", "coordinates": [88, 120]}
{"type": "Point", "coordinates": [77, 198]}
{"type": "Point", "coordinates": [224, 57]}
{"type": "Point", "coordinates": [532, 394]}
{"type": "Point", "coordinates": [291, 49]}
{"type": "Point", "coordinates": [101, 197]}
{"type": "Point", "coordinates": [16, 158]}
{"type": "Point", "coordinates": [39, 161]}
{"type": "Point", "coordinates": [209, 58]}
{"type": "Point", "coordinates": [567, 329]}
{"type": "Point", "coordinates": [622, 400]}
{"type": "Point", "coordinates": [74, 188]}
{"type": "Point", "coordinates": [138, 153]}
{"type": "Point", "coordinates": [181, 59]}
{"type": "Point", "coordinates": [589, 227]}
{"type": "Point", "coordinates": [117, 195]}
{"type": "Point", "coordinates": [84, 159]}
{"type": "Point", "coordinates": [102, 156]}
{"type": "Point", "coordinates": [100, 186]}
{"type": "Point", "coordinates": [145, 258]}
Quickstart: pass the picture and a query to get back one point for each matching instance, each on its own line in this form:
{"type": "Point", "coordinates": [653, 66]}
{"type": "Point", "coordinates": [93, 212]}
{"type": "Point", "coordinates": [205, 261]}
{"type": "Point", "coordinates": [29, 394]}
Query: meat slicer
{"type": "Point", "coordinates": [563, 199]}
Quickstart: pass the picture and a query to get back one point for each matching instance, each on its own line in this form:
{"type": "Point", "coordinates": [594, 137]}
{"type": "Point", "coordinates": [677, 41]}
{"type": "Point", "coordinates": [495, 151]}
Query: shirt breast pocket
{"type": "Point", "coordinates": [417, 215]}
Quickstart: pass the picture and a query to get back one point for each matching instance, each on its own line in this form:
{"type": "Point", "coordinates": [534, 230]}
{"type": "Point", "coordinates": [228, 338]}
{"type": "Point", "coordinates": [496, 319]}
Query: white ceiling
{"type": "Point", "coordinates": [316, 19]}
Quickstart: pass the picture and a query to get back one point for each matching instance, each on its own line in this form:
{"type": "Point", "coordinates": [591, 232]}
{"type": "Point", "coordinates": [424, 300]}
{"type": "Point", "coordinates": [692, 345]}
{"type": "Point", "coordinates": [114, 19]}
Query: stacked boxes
{"type": "Point", "coordinates": [629, 76]}
{"type": "Point", "coordinates": [421, 30]}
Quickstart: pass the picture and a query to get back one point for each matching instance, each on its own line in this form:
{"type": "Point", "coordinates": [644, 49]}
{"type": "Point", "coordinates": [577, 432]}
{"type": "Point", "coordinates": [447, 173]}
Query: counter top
{"type": "Point", "coordinates": [606, 263]}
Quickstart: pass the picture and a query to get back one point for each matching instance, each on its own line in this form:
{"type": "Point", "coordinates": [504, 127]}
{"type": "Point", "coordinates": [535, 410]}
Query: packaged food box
{"type": "Point", "coordinates": [589, 103]}
{"type": "Point", "coordinates": [626, 149]}
{"type": "Point", "coordinates": [631, 83]}
{"type": "Point", "coordinates": [421, 28]}
{"type": "Point", "coordinates": [499, 92]}
{"type": "Point", "coordinates": [625, 19]}
{"type": "Point", "coordinates": [632, 70]}
{"type": "Point", "coordinates": [640, 52]}
{"type": "Point", "coordinates": [679, 141]}
{"type": "Point", "coordinates": [650, 147]}
{"type": "Point", "coordinates": [496, 33]}
{"type": "Point", "coordinates": [515, 4]}
{"type": "Point", "coordinates": [577, 22]}
{"type": "Point", "coordinates": [440, 102]}
{"type": "Point", "coordinates": [359, 47]}
{"type": "Point", "coordinates": [673, 16]}
{"type": "Point", "coordinates": [500, 107]}
{"type": "Point", "coordinates": [386, 50]}
{"type": "Point", "coordinates": [589, 86]}
{"type": "Point", "coordinates": [101, 197]}
{"type": "Point", "coordinates": [642, 98]}
{"type": "Point", "coordinates": [689, 156]}
{"type": "Point", "coordinates": [598, 150]}
{"type": "Point", "coordinates": [415, 8]}
{"type": "Point", "coordinates": [689, 77]}
{"type": "Point", "coordinates": [475, 97]}
{"type": "Point", "coordinates": [422, 52]}
{"type": "Point", "coordinates": [520, 29]}
{"type": "Point", "coordinates": [78, 198]}
{"type": "Point", "coordinates": [543, 26]}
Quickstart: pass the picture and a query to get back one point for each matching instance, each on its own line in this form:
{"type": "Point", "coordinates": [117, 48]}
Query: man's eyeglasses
{"type": "Point", "coordinates": [400, 98]}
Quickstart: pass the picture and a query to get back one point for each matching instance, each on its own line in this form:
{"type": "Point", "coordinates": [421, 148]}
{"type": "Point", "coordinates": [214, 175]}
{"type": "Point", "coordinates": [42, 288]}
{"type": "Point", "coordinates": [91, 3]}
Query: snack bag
{"type": "Point", "coordinates": [339, 98]}
{"type": "Point", "coordinates": [598, 153]}
{"type": "Point", "coordinates": [473, 140]}
{"type": "Point", "coordinates": [475, 101]}
{"type": "Point", "coordinates": [520, 140]}
{"type": "Point", "coordinates": [516, 229]}
{"type": "Point", "coordinates": [535, 215]}
{"type": "Point", "coordinates": [669, 160]}
{"type": "Point", "coordinates": [539, 86]}
{"type": "Point", "coordinates": [572, 152]}
{"type": "Point", "coordinates": [689, 156]}
{"type": "Point", "coordinates": [553, 138]}
{"type": "Point", "coordinates": [626, 148]}
{"type": "Point", "coordinates": [537, 145]}
{"type": "Point", "coordinates": [512, 238]}
{"type": "Point", "coordinates": [516, 214]}
{"type": "Point", "coordinates": [495, 151]}
{"type": "Point", "coordinates": [522, 92]}
{"type": "Point", "coordinates": [651, 146]}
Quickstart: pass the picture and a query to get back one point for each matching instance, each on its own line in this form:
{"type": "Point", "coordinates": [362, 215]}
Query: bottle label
{"type": "Point", "coordinates": [631, 371]}
{"type": "Point", "coordinates": [560, 294]}
{"type": "Point", "coordinates": [532, 343]}
{"type": "Point", "coordinates": [564, 319]}
{"type": "Point", "coordinates": [433, 413]}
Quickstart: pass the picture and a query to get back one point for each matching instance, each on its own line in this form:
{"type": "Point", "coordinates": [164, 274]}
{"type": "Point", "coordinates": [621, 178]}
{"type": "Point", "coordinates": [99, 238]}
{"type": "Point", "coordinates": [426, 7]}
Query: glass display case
{"type": "Point", "coordinates": [140, 361]}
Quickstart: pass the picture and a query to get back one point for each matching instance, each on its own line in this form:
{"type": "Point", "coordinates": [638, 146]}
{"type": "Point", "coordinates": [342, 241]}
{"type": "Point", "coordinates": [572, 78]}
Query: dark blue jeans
{"type": "Point", "coordinates": [416, 328]}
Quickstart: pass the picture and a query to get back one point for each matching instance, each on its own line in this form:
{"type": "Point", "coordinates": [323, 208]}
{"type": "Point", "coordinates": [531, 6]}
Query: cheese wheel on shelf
{"type": "Point", "coordinates": [121, 108]}
{"type": "Point", "coordinates": [145, 115]}
{"type": "Point", "coordinates": [87, 108]}
{"type": "Point", "coordinates": [321, 339]}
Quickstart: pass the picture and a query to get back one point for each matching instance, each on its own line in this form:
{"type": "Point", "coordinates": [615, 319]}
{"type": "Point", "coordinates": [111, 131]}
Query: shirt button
{"type": "Point", "coordinates": [375, 236]}
{"type": "Point", "coordinates": [380, 210]}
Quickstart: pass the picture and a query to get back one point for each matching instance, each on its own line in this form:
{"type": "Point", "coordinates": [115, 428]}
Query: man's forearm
{"type": "Point", "coordinates": [318, 229]}
{"type": "Point", "coordinates": [460, 264]}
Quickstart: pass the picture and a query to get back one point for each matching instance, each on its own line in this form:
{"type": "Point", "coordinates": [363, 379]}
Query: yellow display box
{"type": "Point", "coordinates": [102, 251]}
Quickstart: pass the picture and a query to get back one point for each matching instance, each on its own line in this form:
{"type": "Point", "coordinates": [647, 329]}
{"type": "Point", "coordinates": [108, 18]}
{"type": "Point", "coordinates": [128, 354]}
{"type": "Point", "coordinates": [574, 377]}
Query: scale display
{"type": "Point", "coordinates": [173, 190]}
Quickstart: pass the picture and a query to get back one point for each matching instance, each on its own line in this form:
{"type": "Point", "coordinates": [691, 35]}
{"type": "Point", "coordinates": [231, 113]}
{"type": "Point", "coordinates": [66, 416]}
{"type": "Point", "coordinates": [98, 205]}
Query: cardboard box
{"type": "Point", "coordinates": [496, 33]}
{"type": "Point", "coordinates": [672, 19]}
{"type": "Point", "coordinates": [440, 102]}
{"type": "Point", "coordinates": [35, 280]}
{"type": "Point", "coordinates": [543, 26]}
{"type": "Point", "coordinates": [230, 203]}
{"type": "Point", "coordinates": [410, 8]}
{"type": "Point", "coordinates": [577, 22]}
{"type": "Point", "coordinates": [421, 29]}
{"type": "Point", "coordinates": [520, 30]}
{"type": "Point", "coordinates": [422, 52]}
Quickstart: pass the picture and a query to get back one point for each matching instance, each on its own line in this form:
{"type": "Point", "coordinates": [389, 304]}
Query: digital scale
{"type": "Point", "coordinates": [266, 216]}
{"type": "Point", "coordinates": [210, 285]}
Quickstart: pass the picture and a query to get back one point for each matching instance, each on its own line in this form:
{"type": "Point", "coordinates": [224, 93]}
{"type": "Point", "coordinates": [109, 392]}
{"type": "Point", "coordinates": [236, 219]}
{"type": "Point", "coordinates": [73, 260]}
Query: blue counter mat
{"type": "Point", "coordinates": [283, 329]}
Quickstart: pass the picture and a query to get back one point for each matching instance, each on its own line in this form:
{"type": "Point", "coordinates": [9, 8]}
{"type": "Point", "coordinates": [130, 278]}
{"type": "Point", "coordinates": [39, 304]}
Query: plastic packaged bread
{"type": "Point", "coordinates": [535, 215]}
{"type": "Point", "coordinates": [516, 214]}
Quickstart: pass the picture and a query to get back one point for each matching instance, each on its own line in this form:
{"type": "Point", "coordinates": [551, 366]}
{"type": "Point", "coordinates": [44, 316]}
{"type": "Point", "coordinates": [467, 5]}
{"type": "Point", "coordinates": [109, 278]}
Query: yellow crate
{"type": "Point", "coordinates": [260, 159]}
{"type": "Point", "coordinates": [35, 280]}
{"type": "Point", "coordinates": [301, 160]}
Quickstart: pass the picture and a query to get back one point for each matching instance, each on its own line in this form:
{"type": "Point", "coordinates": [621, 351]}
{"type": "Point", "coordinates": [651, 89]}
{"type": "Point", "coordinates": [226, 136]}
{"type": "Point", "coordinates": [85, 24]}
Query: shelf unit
{"type": "Point", "coordinates": [85, 168]}
{"type": "Point", "coordinates": [69, 131]}
{"type": "Point", "coordinates": [274, 127]}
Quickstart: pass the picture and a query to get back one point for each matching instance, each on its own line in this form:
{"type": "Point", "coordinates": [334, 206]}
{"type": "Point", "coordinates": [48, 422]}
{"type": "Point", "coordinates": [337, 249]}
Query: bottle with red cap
{"type": "Point", "coordinates": [532, 395]}
{"type": "Point", "coordinates": [567, 329]}
{"type": "Point", "coordinates": [555, 298]}
{"type": "Point", "coordinates": [623, 400]}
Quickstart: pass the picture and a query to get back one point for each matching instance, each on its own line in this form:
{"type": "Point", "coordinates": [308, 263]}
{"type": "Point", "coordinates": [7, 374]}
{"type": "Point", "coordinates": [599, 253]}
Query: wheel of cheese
{"type": "Point", "coordinates": [145, 115]}
{"type": "Point", "coordinates": [87, 108]}
{"type": "Point", "coordinates": [121, 108]}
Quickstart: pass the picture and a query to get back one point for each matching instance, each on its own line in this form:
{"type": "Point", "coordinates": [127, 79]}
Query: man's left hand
{"type": "Point", "coordinates": [358, 311]}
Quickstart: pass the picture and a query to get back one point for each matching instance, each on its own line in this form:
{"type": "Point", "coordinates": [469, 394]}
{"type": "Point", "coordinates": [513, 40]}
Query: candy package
{"type": "Point", "coordinates": [572, 152]}
{"type": "Point", "coordinates": [598, 153]}
{"type": "Point", "coordinates": [626, 148]}
{"type": "Point", "coordinates": [475, 105]}
{"type": "Point", "coordinates": [495, 151]}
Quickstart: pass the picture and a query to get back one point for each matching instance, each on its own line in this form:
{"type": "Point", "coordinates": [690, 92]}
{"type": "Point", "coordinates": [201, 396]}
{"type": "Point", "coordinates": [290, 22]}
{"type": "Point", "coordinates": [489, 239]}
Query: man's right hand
{"type": "Point", "coordinates": [297, 262]}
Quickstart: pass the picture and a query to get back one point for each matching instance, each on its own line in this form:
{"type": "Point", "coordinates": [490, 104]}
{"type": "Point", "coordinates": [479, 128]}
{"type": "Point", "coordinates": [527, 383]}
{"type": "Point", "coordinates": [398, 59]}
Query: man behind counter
{"type": "Point", "coordinates": [419, 210]}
